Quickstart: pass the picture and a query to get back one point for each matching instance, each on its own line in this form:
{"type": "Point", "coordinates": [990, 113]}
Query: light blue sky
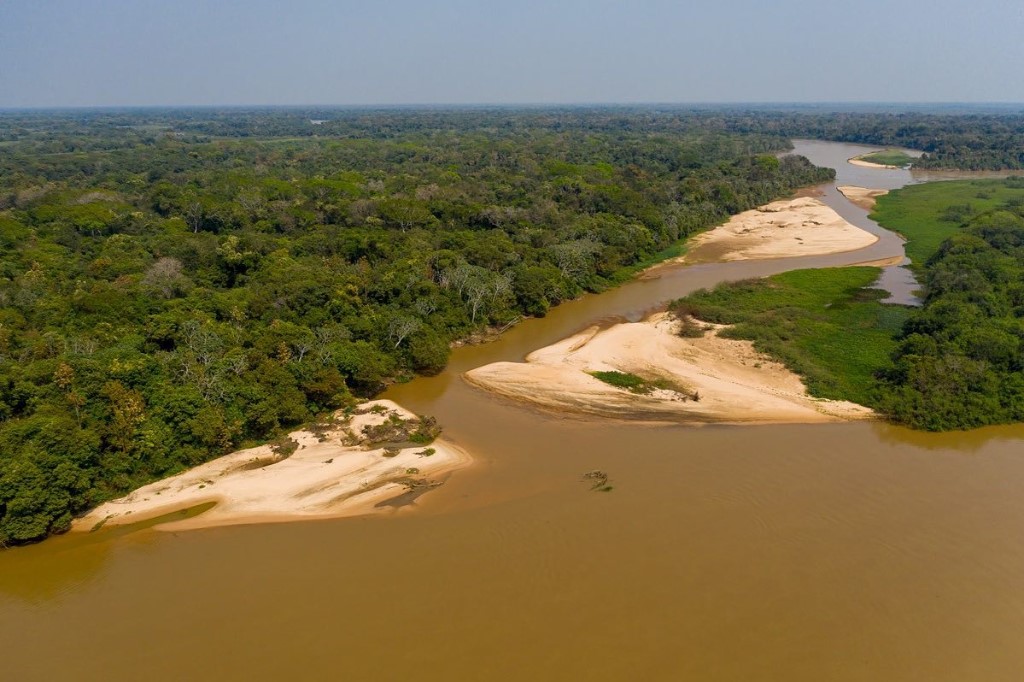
{"type": "Point", "coordinates": [150, 52]}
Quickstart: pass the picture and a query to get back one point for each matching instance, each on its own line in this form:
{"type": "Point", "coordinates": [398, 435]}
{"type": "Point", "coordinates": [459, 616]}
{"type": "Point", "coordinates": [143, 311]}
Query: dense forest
{"type": "Point", "coordinates": [975, 141]}
{"type": "Point", "coordinates": [957, 362]}
{"type": "Point", "coordinates": [172, 290]}
{"type": "Point", "coordinates": [175, 284]}
{"type": "Point", "coordinates": [960, 360]}
{"type": "Point", "coordinates": [982, 139]}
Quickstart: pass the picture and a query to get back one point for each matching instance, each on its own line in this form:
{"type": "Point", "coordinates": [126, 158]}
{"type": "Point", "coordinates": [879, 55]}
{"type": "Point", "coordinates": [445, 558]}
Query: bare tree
{"type": "Point", "coordinates": [251, 200]}
{"type": "Point", "coordinates": [194, 216]}
{"type": "Point", "coordinates": [324, 337]}
{"type": "Point", "coordinates": [401, 327]}
{"type": "Point", "coordinates": [203, 344]}
{"type": "Point", "coordinates": [81, 345]}
{"type": "Point", "coordinates": [424, 306]}
{"type": "Point", "coordinates": [574, 257]}
{"type": "Point", "coordinates": [165, 276]}
{"type": "Point", "coordinates": [303, 346]}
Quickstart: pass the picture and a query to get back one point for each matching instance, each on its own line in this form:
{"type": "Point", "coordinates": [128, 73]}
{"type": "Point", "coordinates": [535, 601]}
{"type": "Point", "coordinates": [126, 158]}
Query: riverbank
{"type": "Point", "coordinates": [358, 464]}
{"type": "Point", "coordinates": [706, 379]}
{"type": "Point", "coordinates": [803, 226]}
{"type": "Point", "coordinates": [357, 480]}
{"type": "Point", "coordinates": [862, 196]}
{"type": "Point", "coordinates": [709, 379]}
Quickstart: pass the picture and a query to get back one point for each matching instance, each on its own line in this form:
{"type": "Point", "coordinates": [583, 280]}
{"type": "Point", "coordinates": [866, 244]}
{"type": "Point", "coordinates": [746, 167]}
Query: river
{"type": "Point", "coordinates": [857, 551]}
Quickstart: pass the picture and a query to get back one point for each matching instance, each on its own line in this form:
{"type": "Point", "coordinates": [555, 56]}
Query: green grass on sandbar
{"type": "Point", "coordinates": [825, 325]}
{"type": "Point", "coordinates": [630, 382]}
{"type": "Point", "coordinates": [888, 157]}
{"type": "Point", "coordinates": [927, 214]}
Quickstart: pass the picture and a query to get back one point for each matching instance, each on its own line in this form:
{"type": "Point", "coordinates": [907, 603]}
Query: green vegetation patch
{"type": "Point", "coordinates": [960, 360]}
{"type": "Point", "coordinates": [889, 157]}
{"type": "Point", "coordinates": [929, 213]}
{"type": "Point", "coordinates": [630, 382]}
{"type": "Point", "coordinates": [640, 385]}
{"type": "Point", "coordinates": [826, 325]}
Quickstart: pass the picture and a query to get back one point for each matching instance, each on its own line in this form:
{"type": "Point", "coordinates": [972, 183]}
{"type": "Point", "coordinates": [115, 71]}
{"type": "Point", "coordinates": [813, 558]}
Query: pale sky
{"type": "Point", "coordinates": [255, 52]}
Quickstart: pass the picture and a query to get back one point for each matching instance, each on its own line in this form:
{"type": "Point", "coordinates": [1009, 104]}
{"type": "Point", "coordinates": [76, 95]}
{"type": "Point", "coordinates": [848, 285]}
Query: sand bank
{"type": "Point", "coordinates": [707, 379]}
{"type": "Point", "coordinates": [857, 161]}
{"type": "Point", "coordinates": [340, 469]}
{"type": "Point", "coordinates": [862, 196]}
{"type": "Point", "coordinates": [795, 227]}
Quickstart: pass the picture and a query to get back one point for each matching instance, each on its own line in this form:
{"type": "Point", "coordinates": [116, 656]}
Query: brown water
{"type": "Point", "coordinates": [827, 552]}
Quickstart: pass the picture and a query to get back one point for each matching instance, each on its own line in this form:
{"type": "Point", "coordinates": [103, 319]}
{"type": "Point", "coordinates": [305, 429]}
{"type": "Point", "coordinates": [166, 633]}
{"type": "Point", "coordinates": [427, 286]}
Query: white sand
{"type": "Point", "coordinates": [857, 161]}
{"type": "Point", "coordinates": [735, 383]}
{"type": "Point", "coordinates": [862, 196]}
{"type": "Point", "coordinates": [795, 227]}
{"type": "Point", "coordinates": [330, 475]}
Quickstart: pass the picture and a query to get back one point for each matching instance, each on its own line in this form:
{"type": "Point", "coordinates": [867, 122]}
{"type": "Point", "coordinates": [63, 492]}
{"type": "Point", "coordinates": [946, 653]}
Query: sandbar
{"type": "Point", "coordinates": [862, 196]}
{"type": "Point", "coordinates": [803, 226]}
{"type": "Point", "coordinates": [336, 470]}
{"type": "Point", "coordinates": [857, 161]}
{"type": "Point", "coordinates": [711, 379]}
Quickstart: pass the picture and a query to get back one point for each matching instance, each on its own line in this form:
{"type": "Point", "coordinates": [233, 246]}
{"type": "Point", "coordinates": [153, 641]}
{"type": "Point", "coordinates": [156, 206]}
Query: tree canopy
{"type": "Point", "coordinates": [175, 285]}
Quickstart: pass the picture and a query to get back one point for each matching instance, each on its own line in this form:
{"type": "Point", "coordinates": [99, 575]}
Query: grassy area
{"type": "Point", "coordinates": [928, 214]}
{"type": "Point", "coordinates": [823, 324]}
{"type": "Point", "coordinates": [888, 157]}
{"type": "Point", "coordinates": [638, 384]}
{"type": "Point", "coordinates": [630, 382]}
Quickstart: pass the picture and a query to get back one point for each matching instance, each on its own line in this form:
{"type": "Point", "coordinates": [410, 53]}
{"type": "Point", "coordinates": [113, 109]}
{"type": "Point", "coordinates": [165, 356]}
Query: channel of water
{"type": "Point", "coordinates": [857, 551]}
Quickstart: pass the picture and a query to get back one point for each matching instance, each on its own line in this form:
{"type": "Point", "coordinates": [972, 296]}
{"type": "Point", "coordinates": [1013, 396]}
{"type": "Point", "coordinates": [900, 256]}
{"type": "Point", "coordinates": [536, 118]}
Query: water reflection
{"type": "Point", "coordinates": [963, 442]}
{"type": "Point", "coordinates": [901, 284]}
{"type": "Point", "coordinates": [41, 572]}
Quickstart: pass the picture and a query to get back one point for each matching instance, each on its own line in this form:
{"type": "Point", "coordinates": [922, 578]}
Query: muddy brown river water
{"type": "Point", "coordinates": [856, 551]}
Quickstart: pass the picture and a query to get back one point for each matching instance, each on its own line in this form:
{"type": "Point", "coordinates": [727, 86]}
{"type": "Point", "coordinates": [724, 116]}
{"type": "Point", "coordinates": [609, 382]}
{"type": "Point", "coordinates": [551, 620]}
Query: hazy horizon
{"type": "Point", "coordinates": [452, 53]}
{"type": "Point", "coordinates": [980, 106]}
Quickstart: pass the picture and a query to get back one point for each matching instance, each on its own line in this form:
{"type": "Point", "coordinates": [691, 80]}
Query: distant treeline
{"type": "Point", "coordinates": [991, 139]}
{"type": "Point", "coordinates": [960, 360]}
{"type": "Point", "coordinates": [170, 291]}
{"type": "Point", "coordinates": [962, 141]}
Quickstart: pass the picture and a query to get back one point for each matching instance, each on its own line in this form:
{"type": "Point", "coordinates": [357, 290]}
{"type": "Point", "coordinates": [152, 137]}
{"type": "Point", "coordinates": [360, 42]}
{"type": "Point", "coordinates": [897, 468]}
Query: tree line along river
{"type": "Point", "coordinates": [857, 551]}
